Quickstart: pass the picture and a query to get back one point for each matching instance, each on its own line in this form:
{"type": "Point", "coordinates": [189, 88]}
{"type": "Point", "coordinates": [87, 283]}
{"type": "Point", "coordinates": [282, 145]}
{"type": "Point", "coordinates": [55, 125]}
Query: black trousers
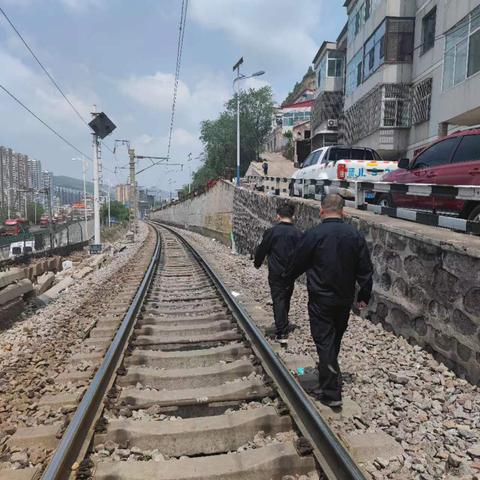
{"type": "Point", "coordinates": [327, 325]}
{"type": "Point", "coordinates": [281, 295]}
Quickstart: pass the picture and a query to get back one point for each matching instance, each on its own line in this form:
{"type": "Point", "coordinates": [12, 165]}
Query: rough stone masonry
{"type": "Point", "coordinates": [426, 280]}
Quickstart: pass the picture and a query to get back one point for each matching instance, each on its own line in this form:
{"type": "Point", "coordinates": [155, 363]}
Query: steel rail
{"type": "Point", "coordinates": [334, 459]}
{"type": "Point", "coordinates": [78, 429]}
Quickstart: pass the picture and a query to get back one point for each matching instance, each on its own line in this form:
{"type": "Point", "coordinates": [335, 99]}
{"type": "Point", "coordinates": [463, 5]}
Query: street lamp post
{"type": "Point", "coordinates": [240, 76]}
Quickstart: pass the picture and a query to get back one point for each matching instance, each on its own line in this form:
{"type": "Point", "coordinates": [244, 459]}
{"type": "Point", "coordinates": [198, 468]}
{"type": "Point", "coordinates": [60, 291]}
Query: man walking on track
{"type": "Point", "coordinates": [335, 256]}
{"type": "Point", "coordinates": [279, 243]}
{"type": "Point", "coordinates": [265, 168]}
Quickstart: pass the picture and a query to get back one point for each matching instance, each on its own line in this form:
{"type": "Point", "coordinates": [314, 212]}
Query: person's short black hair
{"type": "Point", "coordinates": [286, 210]}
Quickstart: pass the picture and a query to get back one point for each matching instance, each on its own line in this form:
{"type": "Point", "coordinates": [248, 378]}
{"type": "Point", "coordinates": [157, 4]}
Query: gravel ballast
{"type": "Point", "coordinates": [38, 346]}
{"type": "Point", "coordinates": [401, 389]}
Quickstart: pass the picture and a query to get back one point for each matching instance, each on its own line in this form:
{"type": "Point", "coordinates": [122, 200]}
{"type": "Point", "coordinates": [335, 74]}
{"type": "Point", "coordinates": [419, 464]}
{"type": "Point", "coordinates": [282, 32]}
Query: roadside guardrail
{"type": "Point", "coordinates": [359, 190]}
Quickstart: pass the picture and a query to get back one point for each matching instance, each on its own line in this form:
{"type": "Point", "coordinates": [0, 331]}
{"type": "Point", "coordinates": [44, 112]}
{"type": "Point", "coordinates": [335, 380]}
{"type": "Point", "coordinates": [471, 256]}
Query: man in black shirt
{"type": "Point", "coordinates": [279, 243]}
{"type": "Point", "coordinates": [335, 256]}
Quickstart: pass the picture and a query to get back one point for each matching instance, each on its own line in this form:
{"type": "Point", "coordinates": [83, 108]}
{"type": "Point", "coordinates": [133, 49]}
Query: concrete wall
{"type": "Point", "coordinates": [209, 213]}
{"type": "Point", "coordinates": [426, 283]}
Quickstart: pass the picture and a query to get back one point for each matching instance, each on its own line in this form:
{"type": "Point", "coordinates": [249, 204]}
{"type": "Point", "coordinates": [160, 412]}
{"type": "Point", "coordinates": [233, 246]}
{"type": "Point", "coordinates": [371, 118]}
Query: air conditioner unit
{"type": "Point", "coordinates": [332, 123]}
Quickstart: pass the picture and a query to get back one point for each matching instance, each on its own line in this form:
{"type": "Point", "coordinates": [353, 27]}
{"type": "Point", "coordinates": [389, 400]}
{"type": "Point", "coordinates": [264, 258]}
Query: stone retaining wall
{"type": "Point", "coordinates": [426, 281]}
{"type": "Point", "coordinates": [209, 214]}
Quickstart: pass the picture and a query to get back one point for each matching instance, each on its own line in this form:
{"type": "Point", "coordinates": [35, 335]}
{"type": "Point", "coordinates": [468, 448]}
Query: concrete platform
{"type": "Point", "coordinates": [267, 463]}
{"type": "Point", "coordinates": [196, 436]}
{"type": "Point", "coordinates": [186, 378]}
{"type": "Point", "coordinates": [236, 391]}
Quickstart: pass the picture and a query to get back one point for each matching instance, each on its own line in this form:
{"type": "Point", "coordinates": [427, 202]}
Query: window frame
{"type": "Point", "coordinates": [469, 32]}
{"type": "Point", "coordinates": [459, 146]}
{"type": "Point", "coordinates": [454, 149]}
{"type": "Point", "coordinates": [428, 16]}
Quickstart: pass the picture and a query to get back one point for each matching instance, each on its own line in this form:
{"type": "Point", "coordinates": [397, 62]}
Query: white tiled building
{"type": "Point", "coordinates": [411, 74]}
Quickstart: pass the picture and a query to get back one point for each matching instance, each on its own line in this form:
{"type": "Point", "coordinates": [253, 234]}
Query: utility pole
{"type": "Point", "coordinates": [108, 200]}
{"type": "Point", "coordinates": [96, 186]}
{"type": "Point", "coordinates": [133, 190]}
{"type": "Point", "coordinates": [190, 173]}
{"type": "Point", "coordinates": [84, 170]}
{"type": "Point", "coordinates": [101, 126]}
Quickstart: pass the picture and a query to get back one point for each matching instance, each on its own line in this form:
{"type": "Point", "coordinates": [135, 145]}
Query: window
{"type": "Point", "coordinates": [335, 64]}
{"type": "Point", "coordinates": [438, 154]}
{"type": "Point", "coordinates": [322, 74]}
{"type": "Point", "coordinates": [374, 51]}
{"type": "Point", "coordinates": [422, 99]}
{"type": "Point", "coordinates": [400, 34]}
{"type": "Point", "coordinates": [311, 159]}
{"type": "Point", "coordinates": [354, 72]}
{"type": "Point", "coordinates": [428, 30]}
{"type": "Point", "coordinates": [462, 50]}
{"type": "Point", "coordinates": [468, 150]}
{"type": "Point", "coordinates": [368, 6]}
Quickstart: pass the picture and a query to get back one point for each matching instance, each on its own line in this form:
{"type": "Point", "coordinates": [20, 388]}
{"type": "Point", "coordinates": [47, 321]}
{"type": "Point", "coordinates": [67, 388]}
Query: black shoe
{"type": "Point", "coordinates": [329, 402]}
{"type": "Point", "coordinates": [285, 333]}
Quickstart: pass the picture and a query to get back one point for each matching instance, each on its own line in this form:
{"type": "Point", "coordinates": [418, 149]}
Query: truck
{"type": "Point", "coordinates": [44, 221]}
{"type": "Point", "coordinates": [15, 226]}
{"type": "Point", "coordinates": [340, 163]}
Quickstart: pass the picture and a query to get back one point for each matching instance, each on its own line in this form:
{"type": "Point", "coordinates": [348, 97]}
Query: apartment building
{"type": "Point", "coordinates": [446, 66]}
{"type": "Point", "coordinates": [411, 73]}
{"type": "Point", "coordinates": [329, 66]}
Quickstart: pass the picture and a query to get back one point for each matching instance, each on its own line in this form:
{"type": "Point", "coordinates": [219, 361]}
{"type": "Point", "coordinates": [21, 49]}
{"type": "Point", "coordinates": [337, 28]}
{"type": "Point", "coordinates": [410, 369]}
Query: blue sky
{"type": "Point", "coordinates": [120, 55]}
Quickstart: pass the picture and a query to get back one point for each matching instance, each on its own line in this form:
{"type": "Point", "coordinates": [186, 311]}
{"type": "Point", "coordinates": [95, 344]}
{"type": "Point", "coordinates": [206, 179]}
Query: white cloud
{"type": "Point", "coordinates": [266, 28]}
{"type": "Point", "coordinates": [154, 91]}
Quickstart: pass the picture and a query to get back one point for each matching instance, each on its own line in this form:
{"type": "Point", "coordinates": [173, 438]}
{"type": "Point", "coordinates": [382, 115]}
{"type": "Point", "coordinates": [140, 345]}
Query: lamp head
{"type": "Point", "coordinates": [258, 74]}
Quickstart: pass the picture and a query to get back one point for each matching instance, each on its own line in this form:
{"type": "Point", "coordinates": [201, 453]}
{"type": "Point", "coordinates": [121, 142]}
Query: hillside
{"type": "Point", "coordinates": [70, 182]}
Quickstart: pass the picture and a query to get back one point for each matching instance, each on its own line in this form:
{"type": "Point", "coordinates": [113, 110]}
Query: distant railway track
{"type": "Point", "coordinates": [190, 389]}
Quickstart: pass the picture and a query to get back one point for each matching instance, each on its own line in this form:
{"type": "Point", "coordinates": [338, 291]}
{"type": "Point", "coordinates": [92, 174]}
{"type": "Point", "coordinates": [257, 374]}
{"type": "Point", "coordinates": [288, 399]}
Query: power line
{"type": "Point", "coordinates": [50, 77]}
{"type": "Point", "coordinates": [61, 137]}
{"type": "Point", "coordinates": [181, 34]}
{"type": "Point", "coordinates": [57, 86]}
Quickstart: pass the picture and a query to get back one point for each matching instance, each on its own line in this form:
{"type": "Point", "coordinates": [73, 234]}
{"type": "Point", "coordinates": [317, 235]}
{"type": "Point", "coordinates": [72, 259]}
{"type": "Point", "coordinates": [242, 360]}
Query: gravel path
{"type": "Point", "coordinates": [37, 347]}
{"type": "Point", "coordinates": [401, 389]}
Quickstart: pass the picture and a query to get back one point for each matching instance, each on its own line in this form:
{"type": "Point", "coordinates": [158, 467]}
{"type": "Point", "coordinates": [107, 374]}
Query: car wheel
{"type": "Point", "coordinates": [474, 215]}
{"type": "Point", "coordinates": [386, 200]}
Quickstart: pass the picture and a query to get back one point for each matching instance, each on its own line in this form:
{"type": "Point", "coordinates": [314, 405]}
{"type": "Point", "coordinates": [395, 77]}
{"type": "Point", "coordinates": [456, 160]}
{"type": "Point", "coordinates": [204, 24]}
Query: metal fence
{"type": "Point", "coordinates": [63, 235]}
{"type": "Point", "coordinates": [358, 190]}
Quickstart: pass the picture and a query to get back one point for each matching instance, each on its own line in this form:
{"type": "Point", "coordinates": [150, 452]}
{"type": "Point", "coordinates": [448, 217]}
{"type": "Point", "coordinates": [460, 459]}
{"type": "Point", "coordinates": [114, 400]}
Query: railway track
{"type": "Point", "coordinates": [190, 389]}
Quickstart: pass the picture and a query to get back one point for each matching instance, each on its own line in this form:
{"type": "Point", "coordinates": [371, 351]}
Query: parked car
{"type": "Point", "coordinates": [340, 163]}
{"type": "Point", "coordinates": [452, 160]}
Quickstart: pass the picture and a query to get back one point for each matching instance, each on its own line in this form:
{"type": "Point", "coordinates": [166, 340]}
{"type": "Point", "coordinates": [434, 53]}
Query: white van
{"type": "Point", "coordinates": [18, 249]}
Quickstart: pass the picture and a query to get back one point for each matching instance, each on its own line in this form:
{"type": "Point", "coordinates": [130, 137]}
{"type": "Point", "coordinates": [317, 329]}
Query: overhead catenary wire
{"type": "Point", "coordinates": [57, 86]}
{"type": "Point", "coordinates": [47, 73]}
{"type": "Point", "coordinates": [59, 135]}
{"type": "Point", "coordinates": [181, 35]}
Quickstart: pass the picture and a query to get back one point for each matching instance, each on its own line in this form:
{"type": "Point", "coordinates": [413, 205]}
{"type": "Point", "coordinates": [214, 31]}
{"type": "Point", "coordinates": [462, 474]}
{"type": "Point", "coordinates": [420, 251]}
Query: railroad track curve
{"type": "Point", "coordinates": [190, 389]}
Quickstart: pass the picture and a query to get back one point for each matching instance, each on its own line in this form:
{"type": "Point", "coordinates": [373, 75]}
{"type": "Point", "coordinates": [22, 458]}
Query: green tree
{"type": "Point", "coordinates": [289, 151]}
{"type": "Point", "coordinates": [219, 136]}
{"type": "Point", "coordinates": [34, 212]}
{"type": "Point", "coordinates": [118, 211]}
